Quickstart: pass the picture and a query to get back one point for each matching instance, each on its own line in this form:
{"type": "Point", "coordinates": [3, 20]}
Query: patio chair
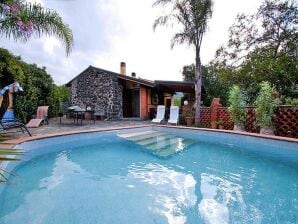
{"type": "Point", "coordinates": [174, 115]}
{"type": "Point", "coordinates": [40, 117]}
{"type": "Point", "coordinates": [7, 119]}
{"type": "Point", "coordinates": [160, 114]}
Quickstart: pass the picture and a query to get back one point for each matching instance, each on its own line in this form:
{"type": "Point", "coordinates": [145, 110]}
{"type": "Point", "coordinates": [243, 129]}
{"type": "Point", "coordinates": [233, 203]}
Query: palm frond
{"type": "Point", "coordinates": [162, 20]}
{"type": "Point", "coordinates": [8, 155]}
{"type": "Point", "coordinates": [46, 22]}
{"type": "Point", "coordinates": [4, 175]}
{"type": "Point", "coordinates": [180, 38]}
{"type": "Point", "coordinates": [4, 159]}
{"type": "Point", "coordinates": [192, 15]}
{"type": "Point", "coordinates": [161, 2]}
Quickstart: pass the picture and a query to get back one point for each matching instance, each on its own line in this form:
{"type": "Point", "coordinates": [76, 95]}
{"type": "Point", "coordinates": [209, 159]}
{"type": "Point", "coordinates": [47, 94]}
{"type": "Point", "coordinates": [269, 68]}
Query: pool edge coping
{"type": "Point", "coordinates": [243, 133]}
{"type": "Point", "coordinates": [13, 142]}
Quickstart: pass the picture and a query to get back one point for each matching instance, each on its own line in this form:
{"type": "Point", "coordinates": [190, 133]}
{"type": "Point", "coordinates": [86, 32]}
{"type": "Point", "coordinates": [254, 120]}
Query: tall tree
{"type": "Point", "coordinates": [214, 83]}
{"type": "Point", "coordinates": [188, 72]}
{"type": "Point", "coordinates": [273, 28]}
{"type": "Point", "coordinates": [19, 20]}
{"type": "Point", "coordinates": [263, 47]}
{"type": "Point", "coordinates": [192, 16]}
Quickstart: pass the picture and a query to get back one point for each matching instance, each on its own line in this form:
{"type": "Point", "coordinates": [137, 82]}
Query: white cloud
{"type": "Point", "coordinates": [49, 45]}
{"type": "Point", "coordinates": [107, 32]}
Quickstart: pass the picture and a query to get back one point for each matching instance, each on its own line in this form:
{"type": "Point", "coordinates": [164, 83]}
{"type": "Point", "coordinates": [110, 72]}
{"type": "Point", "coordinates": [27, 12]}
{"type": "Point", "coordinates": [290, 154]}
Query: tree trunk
{"type": "Point", "coordinates": [198, 87]}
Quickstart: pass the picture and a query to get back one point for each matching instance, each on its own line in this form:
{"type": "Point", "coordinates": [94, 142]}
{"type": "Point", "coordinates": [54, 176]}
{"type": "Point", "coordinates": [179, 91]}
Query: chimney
{"type": "Point", "coordinates": [122, 68]}
{"type": "Point", "coordinates": [133, 74]}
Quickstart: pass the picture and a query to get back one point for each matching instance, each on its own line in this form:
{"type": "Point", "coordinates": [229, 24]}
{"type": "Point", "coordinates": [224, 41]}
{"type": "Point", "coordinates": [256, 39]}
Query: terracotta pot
{"type": "Point", "coordinates": [189, 121]}
{"type": "Point", "coordinates": [213, 125]}
{"type": "Point", "coordinates": [267, 131]}
{"type": "Point", "coordinates": [238, 128]}
{"type": "Point", "coordinates": [221, 126]}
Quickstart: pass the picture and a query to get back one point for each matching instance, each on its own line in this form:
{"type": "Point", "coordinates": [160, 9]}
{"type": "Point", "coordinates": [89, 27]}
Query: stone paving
{"type": "Point", "coordinates": [68, 125]}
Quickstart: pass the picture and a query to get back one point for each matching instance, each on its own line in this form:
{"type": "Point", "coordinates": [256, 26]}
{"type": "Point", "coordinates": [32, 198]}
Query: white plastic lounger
{"type": "Point", "coordinates": [174, 115]}
{"type": "Point", "coordinates": [160, 114]}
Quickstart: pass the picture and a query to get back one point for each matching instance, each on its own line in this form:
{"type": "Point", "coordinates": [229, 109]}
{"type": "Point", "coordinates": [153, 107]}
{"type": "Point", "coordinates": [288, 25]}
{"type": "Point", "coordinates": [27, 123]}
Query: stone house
{"type": "Point", "coordinates": [117, 95]}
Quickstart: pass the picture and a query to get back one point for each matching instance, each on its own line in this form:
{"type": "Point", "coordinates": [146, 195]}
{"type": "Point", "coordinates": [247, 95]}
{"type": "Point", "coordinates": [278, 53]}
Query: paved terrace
{"type": "Point", "coordinates": [68, 125]}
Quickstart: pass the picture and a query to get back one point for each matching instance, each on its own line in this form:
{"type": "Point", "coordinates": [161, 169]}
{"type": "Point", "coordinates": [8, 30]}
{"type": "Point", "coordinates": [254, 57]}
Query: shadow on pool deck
{"type": "Point", "coordinates": [68, 125]}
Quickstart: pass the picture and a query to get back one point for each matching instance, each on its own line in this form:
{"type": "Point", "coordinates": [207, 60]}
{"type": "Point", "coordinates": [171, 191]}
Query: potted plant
{"type": "Point", "coordinates": [220, 123]}
{"type": "Point", "coordinates": [189, 118]}
{"type": "Point", "coordinates": [266, 103]}
{"type": "Point", "coordinates": [237, 108]}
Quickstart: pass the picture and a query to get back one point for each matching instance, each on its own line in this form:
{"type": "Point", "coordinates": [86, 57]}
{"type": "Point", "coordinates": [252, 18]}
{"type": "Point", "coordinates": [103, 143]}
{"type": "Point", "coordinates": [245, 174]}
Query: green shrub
{"type": "Point", "coordinates": [38, 85]}
{"type": "Point", "coordinates": [177, 101]}
{"type": "Point", "coordinates": [182, 120]}
{"type": "Point", "coordinates": [220, 122]}
{"type": "Point", "coordinates": [236, 106]}
{"type": "Point", "coordinates": [266, 104]}
{"type": "Point", "coordinates": [291, 101]}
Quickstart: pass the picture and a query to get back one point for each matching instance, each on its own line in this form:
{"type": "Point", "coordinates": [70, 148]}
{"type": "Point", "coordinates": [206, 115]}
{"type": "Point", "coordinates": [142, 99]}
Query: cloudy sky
{"type": "Point", "coordinates": [107, 32]}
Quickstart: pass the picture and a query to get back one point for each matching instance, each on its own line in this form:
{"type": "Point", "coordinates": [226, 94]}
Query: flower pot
{"type": "Point", "coordinates": [221, 126]}
{"type": "Point", "coordinates": [189, 121]}
{"type": "Point", "coordinates": [267, 131]}
{"type": "Point", "coordinates": [238, 128]}
{"type": "Point", "coordinates": [213, 124]}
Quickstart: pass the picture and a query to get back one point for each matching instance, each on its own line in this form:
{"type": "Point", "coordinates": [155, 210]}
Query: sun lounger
{"type": "Point", "coordinates": [40, 117]}
{"type": "Point", "coordinates": [160, 114]}
{"type": "Point", "coordinates": [174, 115]}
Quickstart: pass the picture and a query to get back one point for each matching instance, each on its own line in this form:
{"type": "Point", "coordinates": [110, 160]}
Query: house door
{"type": "Point", "coordinates": [135, 103]}
{"type": "Point", "coordinates": [127, 105]}
{"type": "Point", "coordinates": [131, 103]}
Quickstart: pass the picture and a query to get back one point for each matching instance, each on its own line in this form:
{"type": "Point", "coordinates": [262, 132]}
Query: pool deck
{"type": "Point", "coordinates": [68, 127]}
{"type": "Point", "coordinates": [15, 136]}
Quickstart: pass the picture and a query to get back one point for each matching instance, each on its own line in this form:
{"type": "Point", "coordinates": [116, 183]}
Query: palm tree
{"type": "Point", "coordinates": [19, 20]}
{"type": "Point", "coordinates": [192, 16]}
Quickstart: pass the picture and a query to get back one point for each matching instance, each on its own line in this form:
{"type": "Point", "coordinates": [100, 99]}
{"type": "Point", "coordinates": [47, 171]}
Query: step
{"type": "Point", "coordinates": [128, 135]}
{"type": "Point", "coordinates": [153, 140]}
{"type": "Point", "coordinates": [163, 144]}
{"type": "Point", "coordinates": [145, 137]}
{"type": "Point", "coordinates": [175, 148]}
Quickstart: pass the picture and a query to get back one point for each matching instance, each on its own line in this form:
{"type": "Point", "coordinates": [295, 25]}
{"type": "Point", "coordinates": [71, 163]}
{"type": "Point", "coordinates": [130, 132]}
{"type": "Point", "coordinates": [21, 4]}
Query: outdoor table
{"type": "Point", "coordinates": [78, 114]}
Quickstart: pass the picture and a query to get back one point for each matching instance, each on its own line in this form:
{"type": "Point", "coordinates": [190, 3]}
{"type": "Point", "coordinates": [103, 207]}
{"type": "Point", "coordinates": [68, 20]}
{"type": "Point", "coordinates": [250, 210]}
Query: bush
{"type": "Point", "coordinates": [291, 101]}
{"type": "Point", "coordinates": [266, 104]}
{"type": "Point", "coordinates": [182, 120]}
{"type": "Point", "coordinates": [177, 102]}
{"type": "Point", "coordinates": [38, 85]}
{"type": "Point", "coordinates": [236, 106]}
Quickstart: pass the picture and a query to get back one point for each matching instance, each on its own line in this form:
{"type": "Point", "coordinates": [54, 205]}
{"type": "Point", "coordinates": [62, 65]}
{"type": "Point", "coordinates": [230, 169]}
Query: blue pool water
{"type": "Point", "coordinates": [149, 178]}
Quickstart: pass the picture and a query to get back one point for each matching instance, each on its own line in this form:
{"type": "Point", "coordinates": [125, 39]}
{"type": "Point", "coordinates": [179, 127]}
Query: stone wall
{"type": "Point", "coordinates": [100, 90]}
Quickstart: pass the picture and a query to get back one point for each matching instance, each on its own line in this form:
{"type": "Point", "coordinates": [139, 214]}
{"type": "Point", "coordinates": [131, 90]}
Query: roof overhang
{"type": "Point", "coordinates": [176, 86]}
{"type": "Point", "coordinates": [143, 82]}
{"type": "Point", "coordinates": [169, 86]}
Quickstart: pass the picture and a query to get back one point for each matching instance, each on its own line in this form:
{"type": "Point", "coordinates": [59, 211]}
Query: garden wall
{"type": "Point", "coordinates": [286, 122]}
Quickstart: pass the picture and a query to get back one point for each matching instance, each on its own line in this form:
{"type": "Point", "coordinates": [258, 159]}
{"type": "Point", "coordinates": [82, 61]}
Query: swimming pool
{"type": "Point", "coordinates": [153, 175]}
